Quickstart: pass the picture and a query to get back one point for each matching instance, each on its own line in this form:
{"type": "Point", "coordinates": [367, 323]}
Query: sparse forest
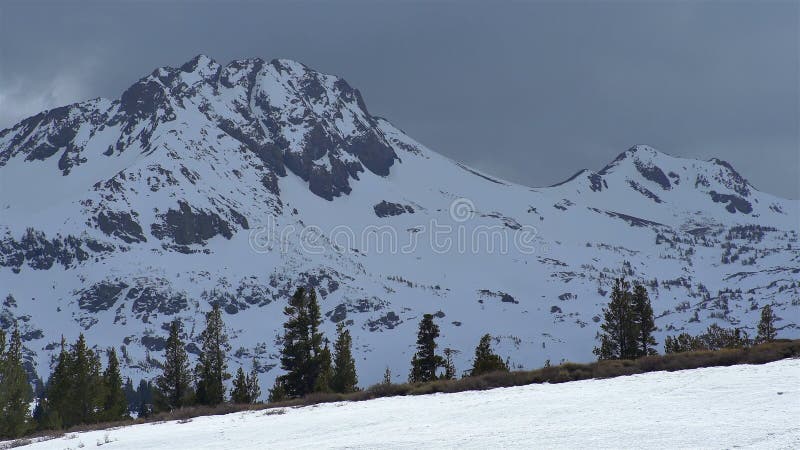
{"type": "Point", "coordinates": [82, 390]}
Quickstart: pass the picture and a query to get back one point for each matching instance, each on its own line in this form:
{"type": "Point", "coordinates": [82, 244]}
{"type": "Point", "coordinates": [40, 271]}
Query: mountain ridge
{"type": "Point", "coordinates": [196, 186]}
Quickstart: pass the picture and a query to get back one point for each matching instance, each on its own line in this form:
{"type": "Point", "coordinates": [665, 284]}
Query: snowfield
{"type": "Point", "coordinates": [720, 407]}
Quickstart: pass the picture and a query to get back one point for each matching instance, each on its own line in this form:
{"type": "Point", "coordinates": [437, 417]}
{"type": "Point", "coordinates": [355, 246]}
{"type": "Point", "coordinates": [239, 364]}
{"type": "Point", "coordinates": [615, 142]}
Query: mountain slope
{"type": "Point", "coordinates": [234, 184]}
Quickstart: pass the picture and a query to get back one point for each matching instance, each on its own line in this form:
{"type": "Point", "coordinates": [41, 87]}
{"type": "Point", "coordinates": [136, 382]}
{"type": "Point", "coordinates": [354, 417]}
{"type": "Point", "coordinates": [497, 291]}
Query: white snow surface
{"type": "Point", "coordinates": [746, 406]}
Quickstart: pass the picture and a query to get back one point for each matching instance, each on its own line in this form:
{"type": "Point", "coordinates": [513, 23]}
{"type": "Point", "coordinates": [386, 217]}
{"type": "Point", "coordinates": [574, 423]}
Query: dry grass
{"type": "Point", "coordinates": [759, 354]}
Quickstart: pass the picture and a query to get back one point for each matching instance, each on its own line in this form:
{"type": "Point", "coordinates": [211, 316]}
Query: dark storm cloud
{"type": "Point", "coordinates": [528, 91]}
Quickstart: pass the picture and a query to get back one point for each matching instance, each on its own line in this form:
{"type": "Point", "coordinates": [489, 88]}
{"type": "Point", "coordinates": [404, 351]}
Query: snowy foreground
{"type": "Point", "coordinates": [740, 406]}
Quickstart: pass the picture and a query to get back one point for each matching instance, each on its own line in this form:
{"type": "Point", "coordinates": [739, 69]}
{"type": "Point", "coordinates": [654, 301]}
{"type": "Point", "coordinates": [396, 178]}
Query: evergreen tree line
{"type": "Point", "coordinates": [427, 365]}
{"type": "Point", "coordinates": [628, 326]}
{"type": "Point", "coordinates": [140, 399]}
{"type": "Point", "coordinates": [307, 361]}
{"type": "Point", "coordinates": [15, 390]}
{"type": "Point", "coordinates": [80, 391]}
{"type": "Point", "coordinates": [179, 385]}
{"type": "Point", "coordinates": [310, 367]}
{"type": "Point", "coordinates": [718, 338]}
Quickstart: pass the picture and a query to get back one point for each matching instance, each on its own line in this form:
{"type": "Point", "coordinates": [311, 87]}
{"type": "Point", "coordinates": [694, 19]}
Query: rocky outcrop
{"type": "Point", "coordinates": [187, 226]}
{"type": "Point", "coordinates": [387, 209]}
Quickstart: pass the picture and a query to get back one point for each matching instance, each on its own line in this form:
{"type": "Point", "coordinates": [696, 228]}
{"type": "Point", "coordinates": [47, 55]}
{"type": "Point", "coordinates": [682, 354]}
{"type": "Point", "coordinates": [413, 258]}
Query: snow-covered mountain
{"type": "Point", "coordinates": [234, 184]}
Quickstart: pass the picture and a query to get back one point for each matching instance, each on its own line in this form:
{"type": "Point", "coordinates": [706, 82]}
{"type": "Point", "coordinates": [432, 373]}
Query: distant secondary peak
{"type": "Point", "coordinates": [200, 61]}
{"type": "Point", "coordinates": [642, 148]}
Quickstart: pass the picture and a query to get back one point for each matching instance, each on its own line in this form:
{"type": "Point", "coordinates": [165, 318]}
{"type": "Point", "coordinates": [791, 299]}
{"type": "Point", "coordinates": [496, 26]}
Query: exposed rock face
{"type": "Point", "coordinates": [185, 226]}
{"type": "Point", "coordinates": [35, 250]}
{"type": "Point", "coordinates": [150, 301]}
{"type": "Point", "coordinates": [121, 225]}
{"type": "Point", "coordinates": [734, 202]}
{"type": "Point", "coordinates": [386, 209]}
{"type": "Point", "coordinates": [101, 296]}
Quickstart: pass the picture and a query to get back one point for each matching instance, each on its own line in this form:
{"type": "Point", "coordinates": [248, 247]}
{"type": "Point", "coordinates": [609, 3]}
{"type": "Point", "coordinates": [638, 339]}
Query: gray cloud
{"type": "Point", "coordinates": [528, 91]}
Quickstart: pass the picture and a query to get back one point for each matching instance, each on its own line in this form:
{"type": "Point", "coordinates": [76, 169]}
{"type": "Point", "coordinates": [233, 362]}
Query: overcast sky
{"type": "Point", "coordinates": [529, 91]}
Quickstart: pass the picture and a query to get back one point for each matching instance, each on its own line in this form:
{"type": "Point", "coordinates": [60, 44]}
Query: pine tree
{"type": "Point", "coordinates": [301, 357]}
{"type": "Point", "coordinates": [145, 394]}
{"type": "Point", "coordinates": [115, 406]}
{"type": "Point", "coordinates": [15, 391]}
{"type": "Point", "coordinates": [174, 385]}
{"type": "Point", "coordinates": [3, 388]}
{"type": "Point", "coordinates": [618, 339]}
{"type": "Point", "coordinates": [278, 392]}
{"type": "Point", "coordinates": [387, 376]}
{"type": "Point", "coordinates": [425, 361]}
{"type": "Point", "coordinates": [212, 367]}
{"type": "Point", "coordinates": [643, 321]}
{"type": "Point", "coordinates": [486, 360]}
{"type": "Point", "coordinates": [2, 353]}
{"type": "Point", "coordinates": [87, 385]}
{"type": "Point", "coordinates": [717, 337]}
{"type": "Point", "coordinates": [345, 378]}
{"type": "Point", "coordinates": [325, 376]}
{"type": "Point", "coordinates": [683, 342]}
{"type": "Point", "coordinates": [449, 364]}
{"type": "Point", "coordinates": [57, 402]}
{"type": "Point", "coordinates": [245, 388]}
{"type": "Point", "coordinates": [130, 395]}
{"type": "Point", "coordinates": [240, 394]}
{"type": "Point", "coordinates": [766, 327]}
{"type": "Point", "coordinates": [253, 389]}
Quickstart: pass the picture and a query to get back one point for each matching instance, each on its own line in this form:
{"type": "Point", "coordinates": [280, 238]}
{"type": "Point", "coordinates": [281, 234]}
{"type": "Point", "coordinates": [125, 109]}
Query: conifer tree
{"type": "Point", "coordinates": [766, 326]}
{"type": "Point", "coordinates": [130, 394]}
{"type": "Point", "coordinates": [618, 337]}
{"type": "Point", "coordinates": [345, 378]}
{"type": "Point", "coordinates": [387, 376]}
{"type": "Point", "coordinates": [3, 387]}
{"type": "Point", "coordinates": [87, 385]}
{"type": "Point", "coordinates": [253, 389]}
{"type": "Point", "coordinates": [278, 392]}
{"type": "Point", "coordinates": [425, 361]}
{"type": "Point", "coordinates": [717, 337]}
{"type": "Point", "coordinates": [301, 357]}
{"type": "Point", "coordinates": [245, 388]}
{"type": "Point", "coordinates": [115, 406]}
{"type": "Point", "coordinates": [240, 393]}
{"type": "Point", "coordinates": [212, 367]}
{"type": "Point", "coordinates": [325, 376]}
{"type": "Point", "coordinates": [683, 342]}
{"type": "Point", "coordinates": [56, 404]}
{"type": "Point", "coordinates": [145, 393]}
{"type": "Point", "coordinates": [174, 385]}
{"type": "Point", "coordinates": [486, 360]}
{"type": "Point", "coordinates": [449, 364]}
{"type": "Point", "coordinates": [643, 321]}
{"type": "Point", "coordinates": [15, 391]}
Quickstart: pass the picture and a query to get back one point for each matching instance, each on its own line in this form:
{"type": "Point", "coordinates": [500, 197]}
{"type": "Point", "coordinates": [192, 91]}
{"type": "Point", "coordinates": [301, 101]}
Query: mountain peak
{"type": "Point", "coordinates": [643, 148]}
{"type": "Point", "coordinates": [199, 61]}
{"type": "Point", "coordinates": [288, 115]}
{"type": "Point", "coordinates": [643, 173]}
